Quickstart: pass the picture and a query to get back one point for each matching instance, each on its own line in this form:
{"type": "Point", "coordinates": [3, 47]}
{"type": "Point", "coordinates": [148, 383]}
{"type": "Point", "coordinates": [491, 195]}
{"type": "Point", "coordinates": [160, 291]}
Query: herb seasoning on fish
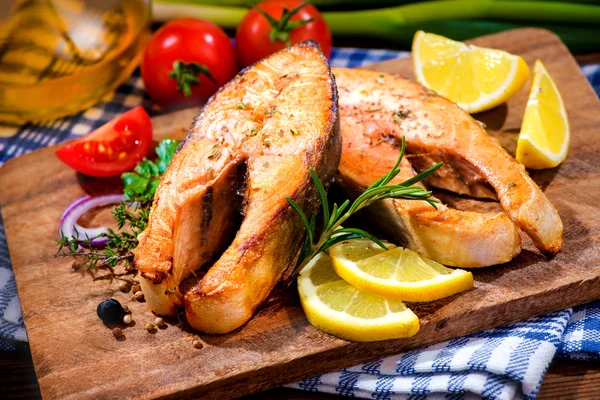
{"type": "Point", "coordinates": [400, 115]}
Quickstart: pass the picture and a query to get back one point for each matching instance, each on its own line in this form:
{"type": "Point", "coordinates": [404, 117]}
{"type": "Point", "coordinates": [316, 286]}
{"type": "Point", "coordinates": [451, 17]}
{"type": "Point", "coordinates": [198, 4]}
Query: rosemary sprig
{"type": "Point", "coordinates": [331, 232]}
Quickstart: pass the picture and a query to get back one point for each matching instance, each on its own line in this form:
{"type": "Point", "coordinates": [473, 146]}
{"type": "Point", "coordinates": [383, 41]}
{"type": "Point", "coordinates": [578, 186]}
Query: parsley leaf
{"type": "Point", "coordinates": [141, 184]}
{"type": "Point", "coordinates": [166, 150]}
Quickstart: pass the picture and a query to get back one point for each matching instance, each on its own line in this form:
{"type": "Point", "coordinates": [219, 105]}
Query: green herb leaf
{"type": "Point", "coordinates": [335, 240]}
{"type": "Point", "coordinates": [362, 234]}
{"type": "Point", "coordinates": [400, 115]}
{"type": "Point", "coordinates": [322, 196]}
{"type": "Point", "coordinates": [141, 184]}
{"type": "Point", "coordinates": [303, 218]}
{"type": "Point", "coordinates": [165, 151]}
{"type": "Point", "coordinates": [215, 151]}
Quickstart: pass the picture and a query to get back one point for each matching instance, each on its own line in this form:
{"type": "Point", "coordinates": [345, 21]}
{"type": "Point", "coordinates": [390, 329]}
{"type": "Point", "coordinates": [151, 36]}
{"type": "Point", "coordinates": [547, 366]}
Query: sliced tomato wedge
{"type": "Point", "coordinates": [112, 149]}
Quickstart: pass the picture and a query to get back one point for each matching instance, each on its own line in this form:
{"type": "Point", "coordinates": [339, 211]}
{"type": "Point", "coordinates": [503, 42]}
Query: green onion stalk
{"type": "Point", "coordinates": [575, 22]}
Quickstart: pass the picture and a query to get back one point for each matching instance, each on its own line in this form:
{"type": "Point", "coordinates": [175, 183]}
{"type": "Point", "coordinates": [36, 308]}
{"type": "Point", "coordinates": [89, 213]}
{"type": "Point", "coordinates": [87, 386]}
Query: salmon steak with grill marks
{"type": "Point", "coordinates": [251, 147]}
{"type": "Point", "coordinates": [377, 110]}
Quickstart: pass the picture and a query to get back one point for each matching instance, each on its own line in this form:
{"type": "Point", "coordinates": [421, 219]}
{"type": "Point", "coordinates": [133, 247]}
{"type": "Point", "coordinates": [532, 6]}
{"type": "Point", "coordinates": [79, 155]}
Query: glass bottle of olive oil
{"type": "Point", "coordinates": [58, 57]}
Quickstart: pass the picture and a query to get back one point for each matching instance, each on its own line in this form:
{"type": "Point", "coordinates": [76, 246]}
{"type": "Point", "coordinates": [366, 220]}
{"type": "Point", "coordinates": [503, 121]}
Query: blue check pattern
{"type": "Point", "coordinates": [502, 363]}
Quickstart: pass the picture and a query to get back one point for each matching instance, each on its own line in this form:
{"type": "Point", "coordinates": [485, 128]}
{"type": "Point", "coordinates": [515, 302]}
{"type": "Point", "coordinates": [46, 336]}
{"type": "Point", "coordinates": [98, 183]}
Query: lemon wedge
{"type": "Point", "coordinates": [396, 273]}
{"type": "Point", "coordinates": [475, 78]}
{"type": "Point", "coordinates": [337, 308]}
{"type": "Point", "coordinates": [544, 138]}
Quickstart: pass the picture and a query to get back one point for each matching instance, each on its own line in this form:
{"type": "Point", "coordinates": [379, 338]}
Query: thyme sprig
{"type": "Point", "coordinates": [131, 219]}
{"type": "Point", "coordinates": [332, 232]}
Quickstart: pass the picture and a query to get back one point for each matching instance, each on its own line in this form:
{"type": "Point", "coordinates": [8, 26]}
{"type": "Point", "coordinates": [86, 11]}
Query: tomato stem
{"type": "Point", "coordinates": [186, 75]}
{"type": "Point", "coordinates": [280, 29]}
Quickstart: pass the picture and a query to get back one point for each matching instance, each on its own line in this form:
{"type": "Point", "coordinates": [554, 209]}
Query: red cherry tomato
{"type": "Point", "coordinates": [205, 61]}
{"type": "Point", "coordinates": [112, 149]}
{"type": "Point", "coordinates": [258, 36]}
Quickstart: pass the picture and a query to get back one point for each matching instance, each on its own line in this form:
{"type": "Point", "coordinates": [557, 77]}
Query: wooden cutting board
{"type": "Point", "coordinates": [75, 356]}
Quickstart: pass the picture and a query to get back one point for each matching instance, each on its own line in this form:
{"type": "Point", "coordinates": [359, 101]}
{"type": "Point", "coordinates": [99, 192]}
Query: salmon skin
{"type": "Point", "coordinates": [377, 109]}
{"type": "Point", "coordinates": [249, 149]}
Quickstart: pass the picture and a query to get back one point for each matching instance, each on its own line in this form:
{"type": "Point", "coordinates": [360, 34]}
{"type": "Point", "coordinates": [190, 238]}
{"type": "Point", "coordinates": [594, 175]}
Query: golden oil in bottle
{"type": "Point", "coordinates": [58, 57]}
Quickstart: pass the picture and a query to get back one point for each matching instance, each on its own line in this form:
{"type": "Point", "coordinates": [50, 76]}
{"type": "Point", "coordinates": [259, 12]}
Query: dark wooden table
{"type": "Point", "coordinates": [565, 380]}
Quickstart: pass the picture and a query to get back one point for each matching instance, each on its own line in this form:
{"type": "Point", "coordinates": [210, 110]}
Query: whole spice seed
{"type": "Point", "coordinates": [197, 344]}
{"type": "Point", "coordinates": [125, 308]}
{"type": "Point", "coordinates": [127, 319]}
{"type": "Point", "coordinates": [135, 288]}
{"type": "Point", "coordinates": [123, 286]}
{"type": "Point", "coordinates": [138, 295]}
{"type": "Point", "coordinates": [117, 332]}
{"type": "Point", "coordinates": [149, 327]}
{"type": "Point", "coordinates": [158, 321]}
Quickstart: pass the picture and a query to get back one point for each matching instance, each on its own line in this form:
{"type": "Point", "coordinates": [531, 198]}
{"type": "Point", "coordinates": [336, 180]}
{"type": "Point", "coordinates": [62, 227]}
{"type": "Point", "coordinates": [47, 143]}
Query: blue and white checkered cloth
{"type": "Point", "coordinates": [502, 363]}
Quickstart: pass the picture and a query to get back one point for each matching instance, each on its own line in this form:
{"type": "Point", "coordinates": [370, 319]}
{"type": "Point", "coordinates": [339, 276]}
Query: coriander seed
{"type": "Point", "coordinates": [127, 319]}
{"type": "Point", "coordinates": [197, 344]}
{"type": "Point", "coordinates": [149, 327]}
{"type": "Point", "coordinates": [138, 295]}
{"type": "Point", "coordinates": [117, 332]}
{"type": "Point", "coordinates": [135, 288]}
{"type": "Point", "coordinates": [158, 321]}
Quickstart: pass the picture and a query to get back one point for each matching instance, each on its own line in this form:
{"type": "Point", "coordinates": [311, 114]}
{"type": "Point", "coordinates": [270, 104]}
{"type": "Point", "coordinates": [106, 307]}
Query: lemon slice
{"type": "Point", "coordinates": [337, 308]}
{"type": "Point", "coordinates": [475, 78]}
{"type": "Point", "coordinates": [544, 138]}
{"type": "Point", "coordinates": [396, 273]}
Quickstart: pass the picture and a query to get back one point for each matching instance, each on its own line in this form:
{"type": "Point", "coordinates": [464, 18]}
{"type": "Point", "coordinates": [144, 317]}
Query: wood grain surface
{"type": "Point", "coordinates": [75, 356]}
{"type": "Point", "coordinates": [565, 379]}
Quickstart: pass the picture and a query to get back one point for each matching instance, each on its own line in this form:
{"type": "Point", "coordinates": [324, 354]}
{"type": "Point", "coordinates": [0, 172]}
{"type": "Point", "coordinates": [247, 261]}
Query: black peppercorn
{"type": "Point", "coordinates": [110, 311]}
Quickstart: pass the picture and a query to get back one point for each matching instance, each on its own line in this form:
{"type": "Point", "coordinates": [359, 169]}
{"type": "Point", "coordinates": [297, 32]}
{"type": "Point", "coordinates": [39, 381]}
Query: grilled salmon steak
{"type": "Point", "coordinates": [448, 236]}
{"type": "Point", "coordinates": [377, 109]}
{"type": "Point", "coordinates": [249, 149]}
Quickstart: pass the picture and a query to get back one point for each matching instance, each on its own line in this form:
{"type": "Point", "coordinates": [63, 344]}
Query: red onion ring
{"type": "Point", "coordinates": [68, 220]}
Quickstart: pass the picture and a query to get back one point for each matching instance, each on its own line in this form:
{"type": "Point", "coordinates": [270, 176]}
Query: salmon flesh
{"type": "Point", "coordinates": [376, 110]}
{"type": "Point", "coordinates": [249, 149]}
